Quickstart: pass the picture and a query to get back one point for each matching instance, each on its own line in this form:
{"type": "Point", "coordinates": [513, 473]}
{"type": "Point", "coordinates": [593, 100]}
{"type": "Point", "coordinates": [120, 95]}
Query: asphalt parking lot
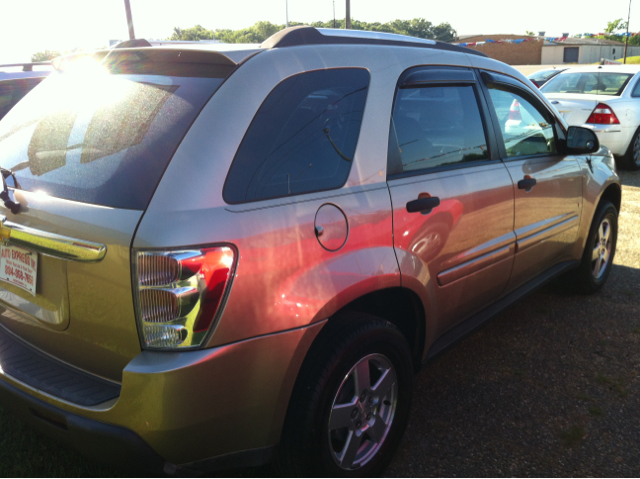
{"type": "Point", "coordinates": [548, 388]}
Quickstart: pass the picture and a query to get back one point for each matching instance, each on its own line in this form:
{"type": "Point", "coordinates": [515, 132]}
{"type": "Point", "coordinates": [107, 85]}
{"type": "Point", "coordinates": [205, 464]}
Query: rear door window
{"type": "Point", "coordinates": [436, 126]}
{"type": "Point", "coordinates": [104, 137]}
{"type": "Point", "coordinates": [302, 139]}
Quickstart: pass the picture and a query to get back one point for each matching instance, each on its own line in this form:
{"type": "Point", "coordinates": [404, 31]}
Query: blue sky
{"type": "Point", "coordinates": [29, 26]}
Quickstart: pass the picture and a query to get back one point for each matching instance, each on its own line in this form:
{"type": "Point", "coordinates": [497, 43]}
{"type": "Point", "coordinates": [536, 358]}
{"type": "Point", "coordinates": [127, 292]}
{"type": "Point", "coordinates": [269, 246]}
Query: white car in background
{"type": "Point", "coordinates": [605, 99]}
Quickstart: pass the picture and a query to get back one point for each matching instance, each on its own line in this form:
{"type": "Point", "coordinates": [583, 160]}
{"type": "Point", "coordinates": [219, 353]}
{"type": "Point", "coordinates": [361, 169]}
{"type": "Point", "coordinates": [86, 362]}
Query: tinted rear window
{"type": "Point", "coordinates": [102, 138]}
{"type": "Point", "coordinates": [302, 138]}
{"type": "Point", "coordinates": [592, 83]}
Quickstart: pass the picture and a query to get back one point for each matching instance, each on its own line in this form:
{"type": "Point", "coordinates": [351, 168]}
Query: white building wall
{"type": "Point", "coordinates": [554, 54]}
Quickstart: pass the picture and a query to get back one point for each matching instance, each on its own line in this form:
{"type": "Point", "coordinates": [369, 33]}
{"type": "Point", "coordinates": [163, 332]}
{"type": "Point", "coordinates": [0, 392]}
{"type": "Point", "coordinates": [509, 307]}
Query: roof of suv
{"type": "Point", "coordinates": [300, 36]}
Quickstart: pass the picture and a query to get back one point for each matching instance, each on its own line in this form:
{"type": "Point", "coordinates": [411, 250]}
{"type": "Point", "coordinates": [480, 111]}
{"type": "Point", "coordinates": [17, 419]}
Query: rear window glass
{"type": "Point", "coordinates": [592, 83]}
{"type": "Point", "coordinates": [101, 138]}
{"type": "Point", "coordinates": [302, 138]}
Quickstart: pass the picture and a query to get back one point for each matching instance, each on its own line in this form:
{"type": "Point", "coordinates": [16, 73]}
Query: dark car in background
{"type": "Point", "coordinates": [18, 79]}
{"type": "Point", "coordinates": [541, 77]}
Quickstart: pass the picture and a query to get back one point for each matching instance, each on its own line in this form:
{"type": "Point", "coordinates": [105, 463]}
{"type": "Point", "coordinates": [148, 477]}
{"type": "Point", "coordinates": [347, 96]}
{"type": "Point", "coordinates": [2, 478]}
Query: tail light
{"type": "Point", "coordinates": [514, 111]}
{"type": "Point", "coordinates": [603, 115]}
{"type": "Point", "coordinates": [179, 294]}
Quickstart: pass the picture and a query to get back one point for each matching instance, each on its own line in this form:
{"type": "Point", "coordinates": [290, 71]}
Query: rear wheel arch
{"type": "Point", "coordinates": [348, 340]}
{"type": "Point", "coordinates": [401, 307]}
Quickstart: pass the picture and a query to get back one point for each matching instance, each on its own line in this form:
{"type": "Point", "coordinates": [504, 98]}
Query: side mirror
{"type": "Point", "coordinates": [581, 140]}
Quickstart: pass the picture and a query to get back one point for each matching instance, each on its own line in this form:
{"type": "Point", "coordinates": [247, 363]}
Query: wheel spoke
{"type": "Point", "coordinates": [600, 232]}
{"type": "Point", "coordinates": [362, 377]}
{"type": "Point", "coordinates": [350, 450]}
{"type": "Point", "coordinates": [377, 431]}
{"type": "Point", "coordinates": [384, 384]}
{"type": "Point", "coordinates": [596, 269]}
{"type": "Point", "coordinates": [341, 415]}
{"type": "Point", "coordinates": [596, 253]}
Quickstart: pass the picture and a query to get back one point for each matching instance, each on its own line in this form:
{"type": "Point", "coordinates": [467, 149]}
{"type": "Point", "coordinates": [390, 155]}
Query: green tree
{"type": "Point", "coordinates": [44, 56]}
{"type": "Point", "coordinates": [259, 32]}
{"type": "Point", "coordinates": [444, 33]}
{"type": "Point", "coordinates": [529, 33]}
{"type": "Point", "coordinates": [616, 26]}
{"type": "Point", "coordinates": [197, 32]}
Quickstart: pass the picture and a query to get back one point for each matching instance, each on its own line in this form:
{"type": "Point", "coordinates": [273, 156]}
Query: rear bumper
{"type": "Point", "coordinates": [614, 137]}
{"type": "Point", "coordinates": [205, 409]}
{"type": "Point", "coordinates": [94, 439]}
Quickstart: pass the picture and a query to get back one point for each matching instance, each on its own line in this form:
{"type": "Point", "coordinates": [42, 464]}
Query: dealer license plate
{"type": "Point", "coordinates": [19, 267]}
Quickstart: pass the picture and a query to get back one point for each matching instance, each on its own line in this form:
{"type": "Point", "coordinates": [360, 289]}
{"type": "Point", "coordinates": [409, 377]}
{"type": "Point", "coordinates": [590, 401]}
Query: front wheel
{"type": "Point", "coordinates": [599, 251]}
{"type": "Point", "coordinates": [351, 403]}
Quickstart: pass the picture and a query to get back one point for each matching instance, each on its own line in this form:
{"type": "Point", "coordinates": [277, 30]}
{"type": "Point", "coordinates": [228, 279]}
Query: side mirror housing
{"type": "Point", "coordinates": [581, 141]}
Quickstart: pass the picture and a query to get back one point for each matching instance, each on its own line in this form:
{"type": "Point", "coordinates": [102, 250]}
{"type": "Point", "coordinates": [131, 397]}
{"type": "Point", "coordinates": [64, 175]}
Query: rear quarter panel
{"type": "Point", "coordinates": [284, 278]}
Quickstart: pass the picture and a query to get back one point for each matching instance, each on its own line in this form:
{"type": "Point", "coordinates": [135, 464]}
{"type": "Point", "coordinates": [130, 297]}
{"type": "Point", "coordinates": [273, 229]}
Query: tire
{"type": "Point", "coordinates": [599, 252]}
{"type": "Point", "coordinates": [332, 410]}
{"type": "Point", "coordinates": [631, 159]}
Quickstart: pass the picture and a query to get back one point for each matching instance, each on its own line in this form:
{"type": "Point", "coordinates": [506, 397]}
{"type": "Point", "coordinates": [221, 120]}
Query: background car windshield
{"type": "Point", "coordinates": [542, 75]}
{"type": "Point", "coordinates": [100, 138]}
{"type": "Point", "coordinates": [593, 83]}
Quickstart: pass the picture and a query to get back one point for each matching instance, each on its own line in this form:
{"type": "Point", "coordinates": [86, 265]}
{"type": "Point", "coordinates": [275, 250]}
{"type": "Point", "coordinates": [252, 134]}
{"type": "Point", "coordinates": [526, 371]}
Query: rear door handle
{"type": "Point", "coordinates": [527, 183]}
{"type": "Point", "coordinates": [423, 205]}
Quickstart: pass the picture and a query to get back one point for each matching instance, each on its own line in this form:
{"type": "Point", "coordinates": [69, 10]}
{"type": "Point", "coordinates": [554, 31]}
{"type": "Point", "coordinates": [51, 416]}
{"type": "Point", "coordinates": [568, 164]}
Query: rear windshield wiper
{"type": "Point", "coordinates": [10, 203]}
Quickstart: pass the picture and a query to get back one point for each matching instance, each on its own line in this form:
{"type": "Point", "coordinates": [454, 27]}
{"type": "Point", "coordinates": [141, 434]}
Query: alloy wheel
{"type": "Point", "coordinates": [363, 411]}
{"type": "Point", "coordinates": [601, 250]}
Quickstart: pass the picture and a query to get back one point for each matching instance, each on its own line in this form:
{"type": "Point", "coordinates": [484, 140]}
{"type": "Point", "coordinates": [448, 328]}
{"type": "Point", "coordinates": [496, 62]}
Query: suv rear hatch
{"type": "Point", "coordinates": [87, 149]}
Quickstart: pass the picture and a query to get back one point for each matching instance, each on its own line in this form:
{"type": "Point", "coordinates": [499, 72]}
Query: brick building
{"type": "Point", "coordinates": [537, 51]}
{"type": "Point", "coordinates": [526, 53]}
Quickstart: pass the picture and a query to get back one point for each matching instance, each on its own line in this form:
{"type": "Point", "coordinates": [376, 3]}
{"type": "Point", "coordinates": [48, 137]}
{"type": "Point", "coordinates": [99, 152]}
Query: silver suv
{"type": "Point", "coordinates": [217, 256]}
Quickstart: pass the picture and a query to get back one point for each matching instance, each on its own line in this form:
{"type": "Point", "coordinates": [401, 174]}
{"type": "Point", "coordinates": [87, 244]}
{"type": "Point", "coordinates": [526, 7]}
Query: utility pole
{"type": "Point", "coordinates": [286, 6]}
{"type": "Point", "coordinates": [334, 13]}
{"type": "Point", "coordinates": [127, 7]}
{"type": "Point", "coordinates": [347, 21]}
{"type": "Point", "coordinates": [626, 38]}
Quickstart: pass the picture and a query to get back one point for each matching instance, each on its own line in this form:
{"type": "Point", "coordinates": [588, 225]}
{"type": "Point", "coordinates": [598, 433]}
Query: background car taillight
{"type": "Point", "coordinates": [603, 115]}
{"type": "Point", "coordinates": [179, 294]}
{"type": "Point", "coordinates": [514, 111]}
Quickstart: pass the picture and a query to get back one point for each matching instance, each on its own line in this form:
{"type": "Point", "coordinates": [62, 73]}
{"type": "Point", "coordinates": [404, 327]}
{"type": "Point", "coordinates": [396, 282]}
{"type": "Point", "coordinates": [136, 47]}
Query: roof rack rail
{"type": "Point", "coordinates": [26, 67]}
{"type": "Point", "coordinates": [306, 35]}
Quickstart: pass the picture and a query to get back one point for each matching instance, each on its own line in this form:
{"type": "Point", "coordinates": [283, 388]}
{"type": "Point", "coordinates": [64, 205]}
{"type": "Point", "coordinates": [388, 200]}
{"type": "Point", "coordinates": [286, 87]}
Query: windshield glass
{"type": "Point", "coordinates": [100, 138]}
{"type": "Point", "coordinates": [592, 83]}
{"type": "Point", "coordinates": [542, 75]}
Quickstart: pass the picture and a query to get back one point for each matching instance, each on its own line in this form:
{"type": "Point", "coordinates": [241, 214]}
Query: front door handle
{"type": "Point", "coordinates": [527, 183]}
{"type": "Point", "coordinates": [423, 205]}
